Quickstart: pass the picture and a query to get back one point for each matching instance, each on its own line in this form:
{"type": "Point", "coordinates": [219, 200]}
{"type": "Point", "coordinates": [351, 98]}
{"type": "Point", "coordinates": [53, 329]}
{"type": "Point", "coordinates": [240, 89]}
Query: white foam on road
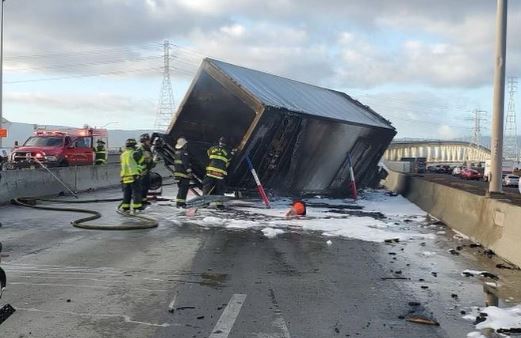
{"type": "Point", "coordinates": [363, 228]}
{"type": "Point", "coordinates": [271, 232]}
{"type": "Point", "coordinates": [381, 201]}
{"type": "Point", "coordinates": [475, 335]}
{"type": "Point", "coordinates": [496, 318]}
{"type": "Point", "coordinates": [343, 218]}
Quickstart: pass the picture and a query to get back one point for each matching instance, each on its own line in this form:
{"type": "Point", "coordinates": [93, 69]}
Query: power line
{"type": "Point", "coordinates": [154, 46]}
{"type": "Point", "coordinates": [144, 70]}
{"type": "Point", "coordinates": [71, 66]}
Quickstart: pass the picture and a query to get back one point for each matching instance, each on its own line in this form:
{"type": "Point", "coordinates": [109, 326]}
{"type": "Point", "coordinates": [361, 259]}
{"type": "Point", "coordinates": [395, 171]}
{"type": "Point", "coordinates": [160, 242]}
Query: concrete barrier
{"type": "Point", "coordinates": [38, 182]}
{"type": "Point", "coordinates": [496, 224]}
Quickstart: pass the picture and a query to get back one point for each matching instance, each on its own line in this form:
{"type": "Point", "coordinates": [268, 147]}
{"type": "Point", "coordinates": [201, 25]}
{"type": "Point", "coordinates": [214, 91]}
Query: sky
{"type": "Point", "coordinates": [424, 65]}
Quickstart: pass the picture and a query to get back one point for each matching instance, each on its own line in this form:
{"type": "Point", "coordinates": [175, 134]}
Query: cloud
{"type": "Point", "coordinates": [342, 44]}
{"type": "Point", "coordinates": [447, 133]}
{"type": "Point", "coordinates": [94, 109]}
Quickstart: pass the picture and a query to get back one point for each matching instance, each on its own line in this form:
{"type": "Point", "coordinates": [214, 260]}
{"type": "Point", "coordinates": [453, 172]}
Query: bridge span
{"type": "Point", "coordinates": [437, 151]}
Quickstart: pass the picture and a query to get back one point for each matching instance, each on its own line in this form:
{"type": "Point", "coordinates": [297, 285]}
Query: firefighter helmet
{"type": "Point", "coordinates": [130, 143]}
{"type": "Point", "coordinates": [181, 142]}
{"type": "Point", "coordinates": [144, 137]}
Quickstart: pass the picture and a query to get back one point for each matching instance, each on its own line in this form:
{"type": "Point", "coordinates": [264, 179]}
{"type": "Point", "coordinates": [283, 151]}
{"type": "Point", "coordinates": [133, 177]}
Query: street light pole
{"type": "Point", "coordinates": [1, 67]}
{"type": "Point", "coordinates": [496, 163]}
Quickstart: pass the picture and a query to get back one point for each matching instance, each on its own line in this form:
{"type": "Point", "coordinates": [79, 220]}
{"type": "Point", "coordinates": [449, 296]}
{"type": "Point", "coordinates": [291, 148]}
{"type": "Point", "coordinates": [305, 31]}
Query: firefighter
{"type": "Point", "coordinates": [147, 163]}
{"type": "Point", "coordinates": [131, 177]}
{"type": "Point", "coordinates": [100, 153]}
{"type": "Point", "coordinates": [213, 183]}
{"type": "Point", "coordinates": [182, 172]}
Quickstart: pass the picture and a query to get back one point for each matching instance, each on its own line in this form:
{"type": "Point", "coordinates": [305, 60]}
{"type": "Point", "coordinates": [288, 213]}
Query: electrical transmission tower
{"type": "Point", "coordinates": [511, 147]}
{"type": "Point", "coordinates": [166, 107]}
{"type": "Point", "coordinates": [478, 116]}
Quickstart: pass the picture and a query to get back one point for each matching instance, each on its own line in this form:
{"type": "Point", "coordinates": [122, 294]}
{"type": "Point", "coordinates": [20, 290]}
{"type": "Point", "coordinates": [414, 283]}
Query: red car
{"type": "Point", "coordinates": [470, 174]}
{"type": "Point", "coordinates": [57, 148]}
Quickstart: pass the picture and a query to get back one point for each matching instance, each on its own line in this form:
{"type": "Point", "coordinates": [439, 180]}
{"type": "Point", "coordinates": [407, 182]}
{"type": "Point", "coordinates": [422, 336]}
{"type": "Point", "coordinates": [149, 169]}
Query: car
{"type": "Point", "coordinates": [432, 169]}
{"type": "Point", "coordinates": [511, 180]}
{"type": "Point", "coordinates": [456, 171]}
{"type": "Point", "coordinates": [444, 169]}
{"type": "Point", "coordinates": [470, 174]}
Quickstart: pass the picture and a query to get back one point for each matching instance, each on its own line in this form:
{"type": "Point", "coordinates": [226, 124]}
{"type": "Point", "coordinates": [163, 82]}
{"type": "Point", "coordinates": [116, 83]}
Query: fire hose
{"type": "Point", "coordinates": [31, 202]}
{"type": "Point", "coordinates": [144, 221]}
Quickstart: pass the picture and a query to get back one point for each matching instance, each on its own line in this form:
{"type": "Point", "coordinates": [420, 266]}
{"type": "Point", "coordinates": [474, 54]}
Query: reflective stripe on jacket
{"type": "Point", "coordinates": [146, 161]}
{"type": "Point", "coordinates": [219, 161]}
{"type": "Point", "coordinates": [129, 165]}
{"type": "Point", "coordinates": [182, 167]}
{"type": "Point", "coordinates": [100, 154]}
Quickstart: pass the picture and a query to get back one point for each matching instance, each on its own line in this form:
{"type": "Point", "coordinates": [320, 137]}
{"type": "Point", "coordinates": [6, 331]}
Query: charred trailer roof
{"type": "Point", "coordinates": [297, 135]}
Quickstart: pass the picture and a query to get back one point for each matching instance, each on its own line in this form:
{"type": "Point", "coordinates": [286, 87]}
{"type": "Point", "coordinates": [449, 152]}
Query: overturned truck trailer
{"type": "Point", "coordinates": [298, 136]}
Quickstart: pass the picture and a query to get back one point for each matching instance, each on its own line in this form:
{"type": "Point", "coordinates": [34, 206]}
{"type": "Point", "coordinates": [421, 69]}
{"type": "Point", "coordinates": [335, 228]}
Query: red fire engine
{"type": "Point", "coordinates": [58, 148]}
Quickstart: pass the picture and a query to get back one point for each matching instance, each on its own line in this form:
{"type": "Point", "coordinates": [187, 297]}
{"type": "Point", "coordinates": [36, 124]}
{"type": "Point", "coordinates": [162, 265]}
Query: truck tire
{"type": "Point", "coordinates": [63, 163]}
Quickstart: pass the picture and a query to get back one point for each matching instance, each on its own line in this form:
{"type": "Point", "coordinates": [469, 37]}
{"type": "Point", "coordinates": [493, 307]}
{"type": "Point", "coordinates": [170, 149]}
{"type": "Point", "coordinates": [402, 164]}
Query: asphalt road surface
{"type": "Point", "coordinates": [218, 283]}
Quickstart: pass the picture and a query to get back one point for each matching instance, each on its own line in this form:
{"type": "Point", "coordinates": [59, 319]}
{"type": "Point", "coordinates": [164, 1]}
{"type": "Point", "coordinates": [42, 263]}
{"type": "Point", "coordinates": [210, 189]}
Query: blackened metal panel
{"type": "Point", "coordinates": [297, 154]}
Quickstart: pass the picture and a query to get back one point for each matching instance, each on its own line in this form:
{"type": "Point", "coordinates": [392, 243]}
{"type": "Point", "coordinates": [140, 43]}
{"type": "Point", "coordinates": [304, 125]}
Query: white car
{"type": "Point", "coordinates": [511, 180]}
{"type": "Point", "coordinates": [456, 171]}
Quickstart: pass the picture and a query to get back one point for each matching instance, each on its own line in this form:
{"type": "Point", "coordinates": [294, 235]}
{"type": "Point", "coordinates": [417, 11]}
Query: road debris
{"type": "Point", "coordinates": [485, 274]}
{"type": "Point", "coordinates": [505, 266]}
{"type": "Point", "coordinates": [417, 314]}
{"type": "Point", "coordinates": [453, 252]}
{"type": "Point", "coordinates": [489, 253]}
{"type": "Point", "coordinates": [419, 319]}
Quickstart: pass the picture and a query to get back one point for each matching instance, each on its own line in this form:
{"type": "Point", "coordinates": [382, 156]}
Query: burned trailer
{"type": "Point", "coordinates": [298, 136]}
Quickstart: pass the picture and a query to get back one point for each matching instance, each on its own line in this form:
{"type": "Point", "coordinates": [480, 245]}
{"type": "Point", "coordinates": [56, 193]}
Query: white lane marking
{"type": "Point", "coordinates": [281, 324]}
{"type": "Point", "coordinates": [172, 304]}
{"type": "Point", "coordinates": [126, 318]}
{"type": "Point", "coordinates": [231, 311]}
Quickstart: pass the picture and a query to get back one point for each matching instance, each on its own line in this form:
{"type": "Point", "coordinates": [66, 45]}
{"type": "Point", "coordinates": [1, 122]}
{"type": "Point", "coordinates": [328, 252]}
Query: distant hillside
{"type": "Point", "coordinates": [21, 131]}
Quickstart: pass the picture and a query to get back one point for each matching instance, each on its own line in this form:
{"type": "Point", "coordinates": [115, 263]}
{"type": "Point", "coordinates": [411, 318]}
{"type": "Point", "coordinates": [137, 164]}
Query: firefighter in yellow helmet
{"type": "Point", "coordinates": [213, 183]}
{"type": "Point", "coordinates": [131, 177]}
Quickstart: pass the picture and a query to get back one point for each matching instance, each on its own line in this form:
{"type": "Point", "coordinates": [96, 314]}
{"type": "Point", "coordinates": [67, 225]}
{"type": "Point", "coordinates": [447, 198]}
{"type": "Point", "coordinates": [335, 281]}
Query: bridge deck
{"type": "Point", "coordinates": [474, 187]}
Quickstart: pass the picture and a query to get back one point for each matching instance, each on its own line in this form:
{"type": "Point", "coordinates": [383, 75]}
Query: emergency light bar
{"type": "Point", "coordinates": [73, 132]}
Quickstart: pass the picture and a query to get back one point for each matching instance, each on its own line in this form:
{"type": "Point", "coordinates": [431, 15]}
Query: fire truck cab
{"type": "Point", "coordinates": [56, 148]}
